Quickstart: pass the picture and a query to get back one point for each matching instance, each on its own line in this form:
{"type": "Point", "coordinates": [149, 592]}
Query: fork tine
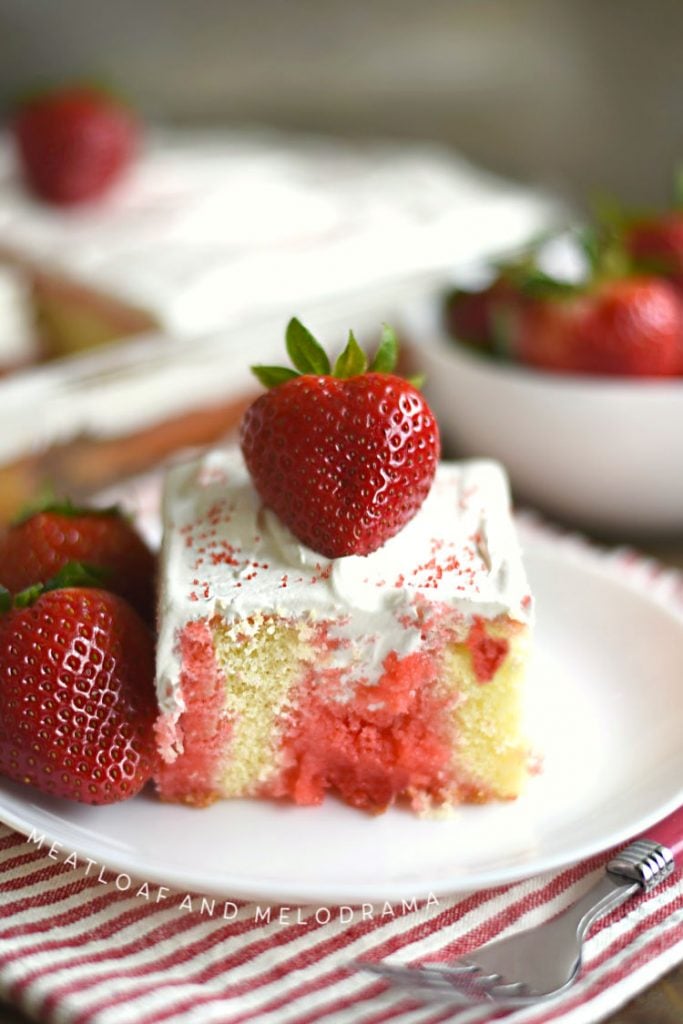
{"type": "Point", "coordinates": [459, 981]}
{"type": "Point", "coordinates": [431, 969]}
{"type": "Point", "coordinates": [540, 963]}
{"type": "Point", "coordinates": [511, 988]}
{"type": "Point", "coordinates": [462, 982]}
{"type": "Point", "coordinates": [407, 975]}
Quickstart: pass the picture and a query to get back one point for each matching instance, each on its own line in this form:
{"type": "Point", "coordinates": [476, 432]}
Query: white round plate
{"type": "Point", "coordinates": [607, 706]}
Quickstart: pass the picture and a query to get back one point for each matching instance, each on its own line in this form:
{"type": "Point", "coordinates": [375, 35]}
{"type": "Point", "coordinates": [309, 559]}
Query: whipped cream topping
{"type": "Point", "coordinates": [18, 330]}
{"type": "Point", "coordinates": [224, 554]}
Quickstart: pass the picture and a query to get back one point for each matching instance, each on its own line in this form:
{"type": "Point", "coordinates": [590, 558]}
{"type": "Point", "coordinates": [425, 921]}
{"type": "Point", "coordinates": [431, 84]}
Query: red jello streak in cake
{"type": "Point", "coordinates": [390, 739]}
{"type": "Point", "coordinates": [193, 776]}
{"type": "Point", "coordinates": [488, 652]}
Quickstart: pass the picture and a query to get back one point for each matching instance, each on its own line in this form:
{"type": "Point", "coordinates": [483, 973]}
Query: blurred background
{"type": "Point", "coordinates": [576, 94]}
{"type": "Point", "coordinates": [564, 100]}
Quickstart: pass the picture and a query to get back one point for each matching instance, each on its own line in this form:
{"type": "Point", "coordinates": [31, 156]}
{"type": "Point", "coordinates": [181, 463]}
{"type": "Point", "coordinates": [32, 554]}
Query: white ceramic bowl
{"type": "Point", "coordinates": [602, 454]}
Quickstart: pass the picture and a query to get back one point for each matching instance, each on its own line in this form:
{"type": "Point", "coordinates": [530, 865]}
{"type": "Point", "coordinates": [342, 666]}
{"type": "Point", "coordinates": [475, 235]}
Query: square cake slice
{"type": "Point", "coordinates": [397, 675]}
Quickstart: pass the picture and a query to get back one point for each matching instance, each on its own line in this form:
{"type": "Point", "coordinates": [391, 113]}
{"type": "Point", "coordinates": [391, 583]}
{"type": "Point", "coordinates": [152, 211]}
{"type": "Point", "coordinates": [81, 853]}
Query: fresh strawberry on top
{"type": "Point", "coordinates": [37, 546]}
{"type": "Point", "coordinates": [345, 456]}
{"type": "Point", "coordinates": [74, 143]}
{"type": "Point", "coordinates": [76, 691]}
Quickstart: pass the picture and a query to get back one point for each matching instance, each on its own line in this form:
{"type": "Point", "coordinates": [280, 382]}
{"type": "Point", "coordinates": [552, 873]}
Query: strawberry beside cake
{"type": "Point", "coordinates": [388, 667]}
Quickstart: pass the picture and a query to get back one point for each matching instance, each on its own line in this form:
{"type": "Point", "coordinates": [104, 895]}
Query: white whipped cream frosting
{"type": "Point", "coordinates": [224, 554]}
{"type": "Point", "coordinates": [18, 330]}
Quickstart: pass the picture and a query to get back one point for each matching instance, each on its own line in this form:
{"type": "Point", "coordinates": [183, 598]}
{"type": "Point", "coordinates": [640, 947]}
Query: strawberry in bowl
{"type": "Point", "coordinates": [577, 388]}
{"type": "Point", "coordinates": [617, 320]}
{"type": "Point", "coordinates": [622, 327]}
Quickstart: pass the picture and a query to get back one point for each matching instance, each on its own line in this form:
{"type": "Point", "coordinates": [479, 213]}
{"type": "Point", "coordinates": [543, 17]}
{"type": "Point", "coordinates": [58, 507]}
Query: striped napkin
{"type": "Point", "coordinates": [77, 947]}
{"type": "Point", "coordinates": [81, 945]}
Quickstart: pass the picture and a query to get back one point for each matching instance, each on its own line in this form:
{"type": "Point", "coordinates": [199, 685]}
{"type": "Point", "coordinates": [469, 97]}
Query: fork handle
{"type": "Point", "coordinates": [653, 856]}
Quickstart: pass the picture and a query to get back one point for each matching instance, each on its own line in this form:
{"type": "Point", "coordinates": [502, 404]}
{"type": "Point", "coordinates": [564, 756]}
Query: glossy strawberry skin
{"type": "Point", "coordinates": [33, 551]}
{"type": "Point", "coordinates": [345, 463]}
{"type": "Point", "coordinates": [77, 696]}
{"type": "Point", "coordinates": [74, 144]}
{"type": "Point", "coordinates": [630, 327]}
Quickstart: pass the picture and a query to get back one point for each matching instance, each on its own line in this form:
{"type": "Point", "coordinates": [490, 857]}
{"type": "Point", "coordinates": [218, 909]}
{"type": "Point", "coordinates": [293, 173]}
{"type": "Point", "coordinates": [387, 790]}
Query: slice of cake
{"type": "Point", "coordinates": [284, 673]}
{"type": "Point", "coordinates": [338, 611]}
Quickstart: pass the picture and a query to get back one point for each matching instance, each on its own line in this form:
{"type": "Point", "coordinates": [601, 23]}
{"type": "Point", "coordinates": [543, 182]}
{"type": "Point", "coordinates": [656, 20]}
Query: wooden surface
{"type": "Point", "coordinates": [660, 1004]}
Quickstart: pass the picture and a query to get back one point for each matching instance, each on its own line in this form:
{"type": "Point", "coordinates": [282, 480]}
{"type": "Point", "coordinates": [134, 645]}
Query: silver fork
{"type": "Point", "coordinates": [544, 961]}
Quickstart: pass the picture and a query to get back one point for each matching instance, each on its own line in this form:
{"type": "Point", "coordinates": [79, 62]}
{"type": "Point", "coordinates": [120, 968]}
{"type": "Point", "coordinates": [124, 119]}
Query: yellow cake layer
{"type": "Point", "coordinates": [265, 659]}
{"type": "Point", "coordinates": [491, 744]}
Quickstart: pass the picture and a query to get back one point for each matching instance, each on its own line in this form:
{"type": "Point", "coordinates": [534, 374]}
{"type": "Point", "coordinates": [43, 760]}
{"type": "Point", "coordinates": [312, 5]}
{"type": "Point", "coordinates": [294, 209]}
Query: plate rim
{"type": "Point", "coordinates": [588, 558]}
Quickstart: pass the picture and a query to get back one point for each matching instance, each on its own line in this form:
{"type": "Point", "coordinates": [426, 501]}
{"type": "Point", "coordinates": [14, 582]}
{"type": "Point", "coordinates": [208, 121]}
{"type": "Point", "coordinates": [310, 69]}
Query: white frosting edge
{"type": "Point", "coordinates": [358, 592]}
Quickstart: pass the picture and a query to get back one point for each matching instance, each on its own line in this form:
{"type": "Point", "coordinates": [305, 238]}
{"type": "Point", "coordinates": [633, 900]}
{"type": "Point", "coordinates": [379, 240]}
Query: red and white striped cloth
{"type": "Point", "coordinates": [74, 949]}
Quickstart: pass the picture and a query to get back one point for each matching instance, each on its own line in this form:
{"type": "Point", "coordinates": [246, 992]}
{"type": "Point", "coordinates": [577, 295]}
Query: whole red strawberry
{"type": "Point", "coordinates": [74, 143]}
{"type": "Point", "coordinates": [345, 457]}
{"type": "Point", "coordinates": [77, 693]}
{"type": "Point", "coordinates": [35, 548]}
{"type": "Point", "coordinates": [630, 326]}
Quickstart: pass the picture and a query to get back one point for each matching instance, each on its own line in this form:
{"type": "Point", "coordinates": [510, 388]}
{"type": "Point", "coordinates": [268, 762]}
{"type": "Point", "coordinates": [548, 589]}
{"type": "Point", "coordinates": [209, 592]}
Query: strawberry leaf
{"type": "Point", "coordinates": [271, 376]}
{"type": "Point", "coordinates": [25, 598]}
{"type": "Point", "coordinates": [306, 353]}
{"type": "Point", "coordinates": [417, 380]}
{"type": "Point", "coordinates": [5, 599]}
{"type": "Point", "coordinates": [63, 507]}
{"type": "Point", "coordinates": [309, 357]}
{"type": "Point", "coordinates": [78, 574]}
{"type": "Point", "coordinates": [536, 284]}
{"type": "Point", "coordinates": [387, 353]}
{"type": "Point", "coordinates": [73, 574]}
{"type": "Point", "coordinates": [352, 360]}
